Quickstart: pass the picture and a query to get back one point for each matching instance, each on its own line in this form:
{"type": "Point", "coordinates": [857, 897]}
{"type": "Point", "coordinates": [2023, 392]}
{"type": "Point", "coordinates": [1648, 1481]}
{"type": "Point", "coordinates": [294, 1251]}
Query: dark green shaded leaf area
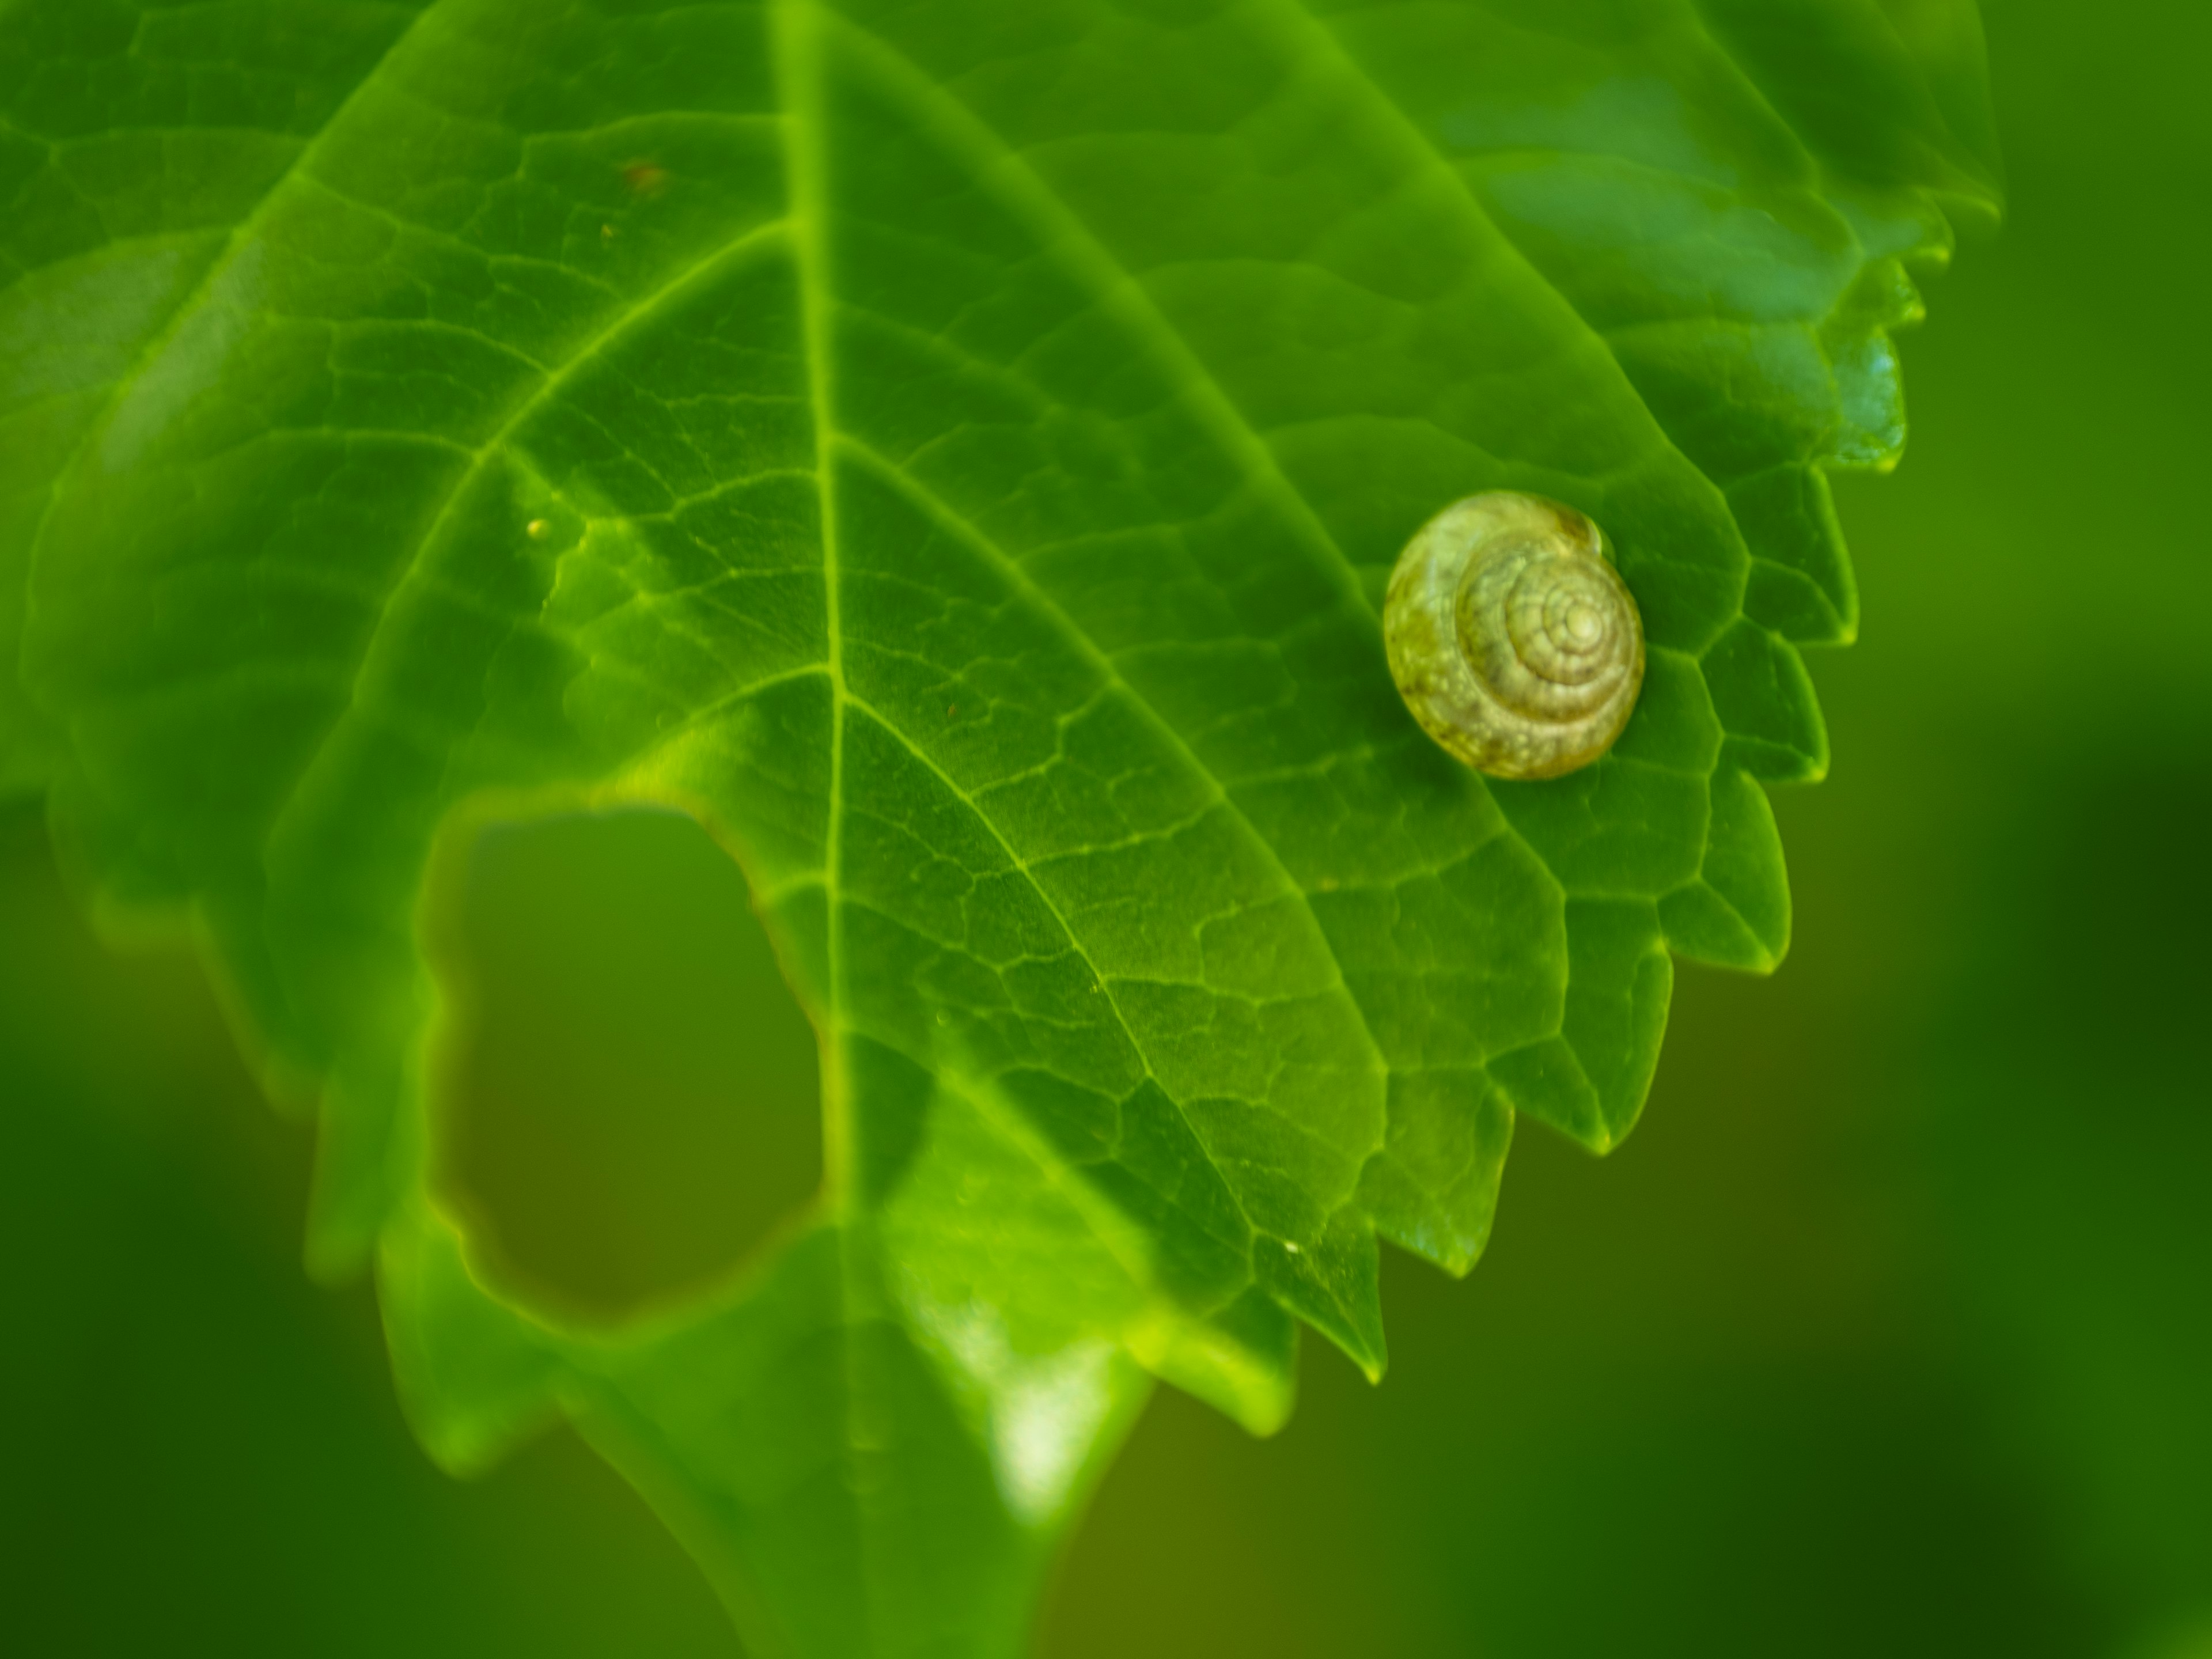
{"type": "Point", "coordinates": [954, 450]}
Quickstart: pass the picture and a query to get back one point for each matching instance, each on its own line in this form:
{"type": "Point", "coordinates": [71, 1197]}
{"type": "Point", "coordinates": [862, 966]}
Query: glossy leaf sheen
{"type": "Point", "coordinates": [955, 448]}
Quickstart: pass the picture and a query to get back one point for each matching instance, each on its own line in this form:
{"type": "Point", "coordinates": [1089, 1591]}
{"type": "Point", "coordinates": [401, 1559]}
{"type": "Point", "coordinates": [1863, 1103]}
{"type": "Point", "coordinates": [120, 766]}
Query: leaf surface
{"type": "Point", "coordinates": [954, 449]}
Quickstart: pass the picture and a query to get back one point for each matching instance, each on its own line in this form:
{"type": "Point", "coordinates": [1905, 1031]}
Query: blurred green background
{"type": "Point", "coordinates": [1888, 1332]}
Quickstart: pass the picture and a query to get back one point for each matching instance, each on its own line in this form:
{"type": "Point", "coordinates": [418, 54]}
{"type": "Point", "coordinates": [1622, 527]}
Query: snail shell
{"type": "Point", "coordinates": [1512, 638]}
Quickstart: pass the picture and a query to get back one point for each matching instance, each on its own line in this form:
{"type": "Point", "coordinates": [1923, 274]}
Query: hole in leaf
{"type": "Point", "coordinates": [630, 1090]}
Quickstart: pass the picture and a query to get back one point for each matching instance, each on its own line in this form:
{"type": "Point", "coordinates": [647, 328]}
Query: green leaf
{"type": "Point", "coordinates": [955, 451]}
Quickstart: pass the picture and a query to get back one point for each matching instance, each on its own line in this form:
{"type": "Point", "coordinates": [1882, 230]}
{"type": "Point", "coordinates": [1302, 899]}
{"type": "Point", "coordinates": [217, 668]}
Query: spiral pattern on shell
{"type": "Point", "coordinates": [1512, 638]}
